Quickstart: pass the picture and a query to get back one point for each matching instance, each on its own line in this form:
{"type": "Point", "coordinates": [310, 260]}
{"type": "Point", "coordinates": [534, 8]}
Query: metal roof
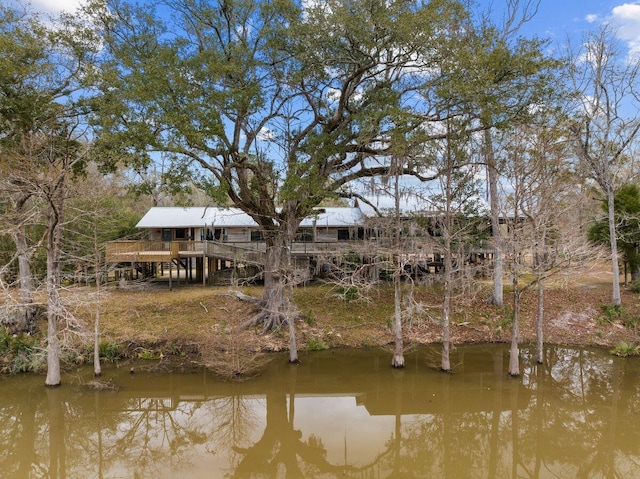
{"type": "Point", "coordinates": [335, 217]}
{"type": "Point", "coordinates": [200, 216]}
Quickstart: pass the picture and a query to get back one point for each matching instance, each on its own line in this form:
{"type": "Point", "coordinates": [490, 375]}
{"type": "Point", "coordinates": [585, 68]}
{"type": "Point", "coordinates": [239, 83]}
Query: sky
{"type": "Point", "coordinates": [556, 20]}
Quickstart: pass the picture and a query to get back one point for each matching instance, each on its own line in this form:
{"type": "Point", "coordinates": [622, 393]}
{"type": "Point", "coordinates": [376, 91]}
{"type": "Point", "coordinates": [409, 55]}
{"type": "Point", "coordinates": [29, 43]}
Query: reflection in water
{"type": "Point", "coordinates": [338, 414]}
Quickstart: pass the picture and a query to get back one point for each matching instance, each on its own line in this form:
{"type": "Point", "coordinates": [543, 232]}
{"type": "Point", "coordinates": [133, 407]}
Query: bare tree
{"type": "Point", "coordinates": [42, 115]}
{"type": "Point", "coordinates": [606, 123]}
{"type": "Point", "coordinates": [507, 87]}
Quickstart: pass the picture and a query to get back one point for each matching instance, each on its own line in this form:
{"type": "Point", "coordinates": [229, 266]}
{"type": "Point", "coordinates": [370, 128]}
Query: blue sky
{"type": "Point", "coordinates": [556, 19]}
{"type": "Point", "coordinates": [562, 19]}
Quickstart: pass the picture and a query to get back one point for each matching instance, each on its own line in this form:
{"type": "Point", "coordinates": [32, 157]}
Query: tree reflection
{"type": "Point", "coordinates": [281, 446]}
{"type": "Point", "coordinates": [573, 416]}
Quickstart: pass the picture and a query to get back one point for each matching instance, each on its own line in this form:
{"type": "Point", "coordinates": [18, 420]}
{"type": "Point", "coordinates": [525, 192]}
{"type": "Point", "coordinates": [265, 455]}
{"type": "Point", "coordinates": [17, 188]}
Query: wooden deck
{"type": "Point", "coordinates": [252, 253]}
{"type": "Point", "coordinates": [214, 261]}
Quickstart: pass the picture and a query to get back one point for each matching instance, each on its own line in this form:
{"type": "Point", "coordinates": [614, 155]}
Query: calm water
{"type": "Point", "coordinates": [339, 414]}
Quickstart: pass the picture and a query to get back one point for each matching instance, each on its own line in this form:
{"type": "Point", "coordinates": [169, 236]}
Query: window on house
{"type": "Point", "coordinates": [220, 234]}
{"type": "Point", "coordinates": [167, 234]}
{"type": "Point", "coordinates": [257, 235]}
{"type": "Point", "coordinates": [343, 234]}
{"type": "Point", "coordinates": [181, 233]}
{"type": "Point", "coordinates": [305, 235]}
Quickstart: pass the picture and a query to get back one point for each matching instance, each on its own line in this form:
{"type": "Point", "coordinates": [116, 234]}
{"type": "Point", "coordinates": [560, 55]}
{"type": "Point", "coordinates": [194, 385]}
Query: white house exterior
{"type": "Point", "coordinates": [235, 226]}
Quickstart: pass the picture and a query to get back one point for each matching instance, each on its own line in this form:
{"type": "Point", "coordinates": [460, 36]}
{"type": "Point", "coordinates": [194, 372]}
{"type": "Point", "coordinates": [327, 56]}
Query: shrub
{"type": "Point", "coordinates": [20, 353]}
{"type": "Point", "coordinates": [611, 312]}
{"type": "Point", "coordinates": [316, 344]}
{"type": "Point", "coordinates": [348, 294]}
{"type": "Point", "coordinates": [110, 351]}
{"type": "Point", "coordinates": [624, 349]}
{"type": "Point", "coordinates": [631, 321]}
{"type": "Point", "coordinates": [149, 354]}
{"type": "Point", "coordinates": [308, 318]}
{"type": "Point", "coordinates": [635, 287]}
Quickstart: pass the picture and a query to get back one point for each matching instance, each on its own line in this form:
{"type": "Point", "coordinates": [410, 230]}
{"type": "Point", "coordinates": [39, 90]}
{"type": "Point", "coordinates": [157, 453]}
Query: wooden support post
{"type": "Point", "coordinates": [204, 264]}
{"type": "Point", "coordinates": [199, 269]}
{"type": "Point", "coordinates": [170, 276]}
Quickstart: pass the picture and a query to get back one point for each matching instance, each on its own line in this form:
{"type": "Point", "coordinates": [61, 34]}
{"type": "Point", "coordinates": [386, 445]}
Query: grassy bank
{"type": "Point", "coordinates": [202, 324]}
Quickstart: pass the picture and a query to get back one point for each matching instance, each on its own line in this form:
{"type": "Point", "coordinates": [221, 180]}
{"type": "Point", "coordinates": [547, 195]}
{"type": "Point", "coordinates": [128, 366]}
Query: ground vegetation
{"type": "Point", "coordinates": [196, 325]}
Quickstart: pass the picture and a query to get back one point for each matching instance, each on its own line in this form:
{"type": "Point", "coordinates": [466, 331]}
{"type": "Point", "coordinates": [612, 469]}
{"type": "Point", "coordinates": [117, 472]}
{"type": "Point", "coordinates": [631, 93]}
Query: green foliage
{"type": "Point", "coordinates": [503, 324]}
{"type": "Point", "coordinates": [630, 321]}
{"type": "Point", "coordinates": [110, 351]}
{"type": "Point", "coordinates": [610, 313]}
{"type": "Point", "coordinates": [352, 258]}
{"type": "Point", "coordinates": [625, 349]}
{"type": "Point", "coordinates": [20, 353]}
{"type": "Point", "coordinates": [308, 318]}
{"type": "Point", "coordinates": [349, 293]}
{"type": "Point", "coordinates": [635, 287]}
{"type": "Point", "coordinates": [149, 354]}
{"type": "Point", "coordinates": [627, 217]}
{"type": "Point", "coordinates": [615, 312]}
{"type": "Point", "coordinates": [317, 344]}
{"type": "Point", "coordinates": [16, 343]}
{"type": "Point", "coordinates": [269, 75]}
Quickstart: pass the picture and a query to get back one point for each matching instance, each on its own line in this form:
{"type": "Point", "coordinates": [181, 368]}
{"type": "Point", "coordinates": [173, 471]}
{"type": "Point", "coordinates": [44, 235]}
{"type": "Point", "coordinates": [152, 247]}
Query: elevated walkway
{"type": "Point", "coordinates": [165, 251]}
{"type": "Point", "coordinates": [221, 261]}
{"type": "Point", "coordinates": [249, 253]}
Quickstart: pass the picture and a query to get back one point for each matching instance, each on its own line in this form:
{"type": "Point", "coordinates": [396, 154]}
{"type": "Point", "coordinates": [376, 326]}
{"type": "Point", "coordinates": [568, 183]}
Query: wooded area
{"type": "Point", "coordinates": [277, 108]}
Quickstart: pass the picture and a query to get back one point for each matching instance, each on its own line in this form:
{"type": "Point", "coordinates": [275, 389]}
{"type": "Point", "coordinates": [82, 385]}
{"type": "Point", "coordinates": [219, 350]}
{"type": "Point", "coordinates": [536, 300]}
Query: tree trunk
{"type": "Point", "coordinates": [54, 304]}
{"type": "Point", "coordinates": [97, 368]}
{"type": "Point", "coordinates": [616, 299]}
{"type": "Point", "coordinates": [540, 321]}
{"type": "Point", "coordinates": [277, 305]}
{"type": "Point", "coordinates": [398, 352]}
{"type": "Point", "coordinates": [446, 325]}
{"type": "Point", "coordinates": [496, 236]}
{"type": "Point", "coordinates": [275, 308]}
{"type": "Point", "coordinates": [291, 313]}
{"type": "Point", "coordinates": [514, 358]}
{"type": "Point", "coordinates": [635, 272]}
{"type": "Point", "coordinates": [27, 312]}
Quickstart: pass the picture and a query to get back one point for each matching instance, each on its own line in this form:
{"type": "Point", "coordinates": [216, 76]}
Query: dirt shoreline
{"type": "Point", "coordinates": [198, 321]}
{"type": "Point", "coordinates": [201, 325]}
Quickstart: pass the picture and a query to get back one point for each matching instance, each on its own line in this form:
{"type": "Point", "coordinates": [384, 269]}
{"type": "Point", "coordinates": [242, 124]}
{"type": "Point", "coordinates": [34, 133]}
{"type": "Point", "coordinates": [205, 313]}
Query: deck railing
{"type": "Point", "coordinates": [237, 252]}
{"type": "Point", "coordinates": [254, 252]}
{"type": "Point", "coordinates": [246, 252]}
{"type": "Point", "coordinates": [139, 251]}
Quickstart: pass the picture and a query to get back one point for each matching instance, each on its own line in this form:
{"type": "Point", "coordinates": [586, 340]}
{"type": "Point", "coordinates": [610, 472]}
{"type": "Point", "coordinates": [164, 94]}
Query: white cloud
{"type": "Point", "coordinates": [265, 134]}
{"type": "Point", "coordinates": [626, 17]}
{"type": "Point", "coordinates": [56, 6]}
{"type": "Point", "coordinates": [627, 11]}
{"type": "Point", "coordinates": [591, 18]}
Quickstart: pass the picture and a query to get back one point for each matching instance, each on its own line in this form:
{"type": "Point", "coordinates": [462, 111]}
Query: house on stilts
{"type": "Point", "coordinates": [218, 245]}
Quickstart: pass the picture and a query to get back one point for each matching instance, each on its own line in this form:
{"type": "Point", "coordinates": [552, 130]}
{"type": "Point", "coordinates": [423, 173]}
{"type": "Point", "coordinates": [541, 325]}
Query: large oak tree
{"type": "Point", "coordinates": [272, 105]}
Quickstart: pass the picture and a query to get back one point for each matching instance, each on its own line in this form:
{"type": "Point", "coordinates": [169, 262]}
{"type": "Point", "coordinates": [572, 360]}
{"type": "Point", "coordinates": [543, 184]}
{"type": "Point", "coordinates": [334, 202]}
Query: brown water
{"type": "Point", "coordinates": [338, 414]}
